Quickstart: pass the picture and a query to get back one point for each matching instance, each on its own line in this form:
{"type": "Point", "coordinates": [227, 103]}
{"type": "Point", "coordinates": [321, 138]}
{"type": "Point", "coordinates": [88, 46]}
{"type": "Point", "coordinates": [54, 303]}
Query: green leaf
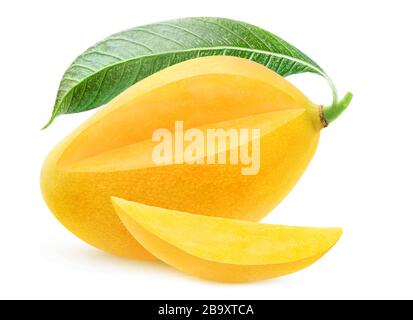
{"type": "Point", "coordinates": [116, 63]}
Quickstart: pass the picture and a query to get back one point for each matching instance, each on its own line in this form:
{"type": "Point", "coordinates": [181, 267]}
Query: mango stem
{"type": "Point", "coordinates": [331, 113]}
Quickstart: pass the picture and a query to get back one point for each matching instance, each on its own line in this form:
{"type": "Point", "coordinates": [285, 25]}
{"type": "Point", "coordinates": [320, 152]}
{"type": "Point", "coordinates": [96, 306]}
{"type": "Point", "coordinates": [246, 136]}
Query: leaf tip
{"type": "Point", "coordinates": [52, 118]}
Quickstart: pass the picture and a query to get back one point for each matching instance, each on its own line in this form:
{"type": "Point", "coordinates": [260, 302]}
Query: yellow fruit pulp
{"type": "Point", "coordinates": [110, 155]}
{"type": "Point", "coordinates": [223, 249]}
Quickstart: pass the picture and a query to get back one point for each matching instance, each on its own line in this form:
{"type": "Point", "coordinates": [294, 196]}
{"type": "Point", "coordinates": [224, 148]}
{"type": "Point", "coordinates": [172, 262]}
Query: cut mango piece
{"type": "Point", "coordinates": [223, 249]}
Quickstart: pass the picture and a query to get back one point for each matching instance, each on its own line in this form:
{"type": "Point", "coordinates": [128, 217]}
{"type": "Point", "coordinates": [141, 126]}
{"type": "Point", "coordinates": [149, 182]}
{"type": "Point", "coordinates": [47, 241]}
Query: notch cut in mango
{"type": "Point", "coordinates": [139, 155]}
{"type": "Point", "coordinates": [222, 249]}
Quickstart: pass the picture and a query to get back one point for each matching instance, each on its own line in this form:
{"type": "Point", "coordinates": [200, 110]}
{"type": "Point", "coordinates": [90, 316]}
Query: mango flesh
{"type": "Point", "coordinates": [110, 154]}
{"type": "Point", "coordinates": [223, 249]}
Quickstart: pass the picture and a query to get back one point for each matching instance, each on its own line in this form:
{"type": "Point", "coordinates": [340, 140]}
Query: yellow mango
{"type": "Point", "coordinates": [112, 153]}
{"type": "Point", "coordinates": [223, 249]}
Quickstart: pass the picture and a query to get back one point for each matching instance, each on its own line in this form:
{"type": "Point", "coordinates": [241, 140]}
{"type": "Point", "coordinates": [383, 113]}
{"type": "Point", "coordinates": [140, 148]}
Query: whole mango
{"type": "Point", "coordinates": [112, 154]}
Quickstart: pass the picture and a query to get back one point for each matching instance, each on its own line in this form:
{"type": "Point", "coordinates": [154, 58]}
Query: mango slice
{"type": "Point", "coordinates": [111, 154]}
{"type": "Point", "coordinates": [223, 249]}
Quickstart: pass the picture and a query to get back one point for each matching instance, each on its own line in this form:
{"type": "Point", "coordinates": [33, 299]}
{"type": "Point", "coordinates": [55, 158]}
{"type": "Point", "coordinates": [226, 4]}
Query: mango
{"type": "Point", "coordinates": [221, 249]}
{"type": "Point", "coordinates": [112, 153]}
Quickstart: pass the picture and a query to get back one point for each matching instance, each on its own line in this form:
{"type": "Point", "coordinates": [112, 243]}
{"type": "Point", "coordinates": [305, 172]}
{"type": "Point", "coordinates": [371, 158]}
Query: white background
{"type": "Point", "coordinates": [360, 178]}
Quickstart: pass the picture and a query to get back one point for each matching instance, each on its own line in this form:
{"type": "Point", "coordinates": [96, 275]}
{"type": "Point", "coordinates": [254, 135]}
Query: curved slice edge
{"type": "Point", "coordinates": [201, 267]}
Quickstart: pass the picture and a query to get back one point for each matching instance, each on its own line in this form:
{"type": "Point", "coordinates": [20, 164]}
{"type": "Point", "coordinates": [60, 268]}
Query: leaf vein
{"type": "Point", "coordinates": [111, 55]}
{"type": "Point", "coordinates": [186, 30]}
{"type": "Point", "coordinates": [133, 42]}
{"type": "Point", "coordinates": [159, 35]}
{"type": "Point", "coordinates": [98, 89]}
{"type": "Point", "coordinates": [81, 66]}
{"type": "Point", "coordinates": [227, 29]}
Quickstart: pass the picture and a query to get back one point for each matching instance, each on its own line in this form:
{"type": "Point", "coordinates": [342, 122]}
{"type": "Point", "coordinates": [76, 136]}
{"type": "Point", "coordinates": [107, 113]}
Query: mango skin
{"type": "Point", "coordinates": [81, 200]}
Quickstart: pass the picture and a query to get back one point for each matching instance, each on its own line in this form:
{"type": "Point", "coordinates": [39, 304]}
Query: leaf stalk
{"type": "Point", "coordinates": [333, 111]}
